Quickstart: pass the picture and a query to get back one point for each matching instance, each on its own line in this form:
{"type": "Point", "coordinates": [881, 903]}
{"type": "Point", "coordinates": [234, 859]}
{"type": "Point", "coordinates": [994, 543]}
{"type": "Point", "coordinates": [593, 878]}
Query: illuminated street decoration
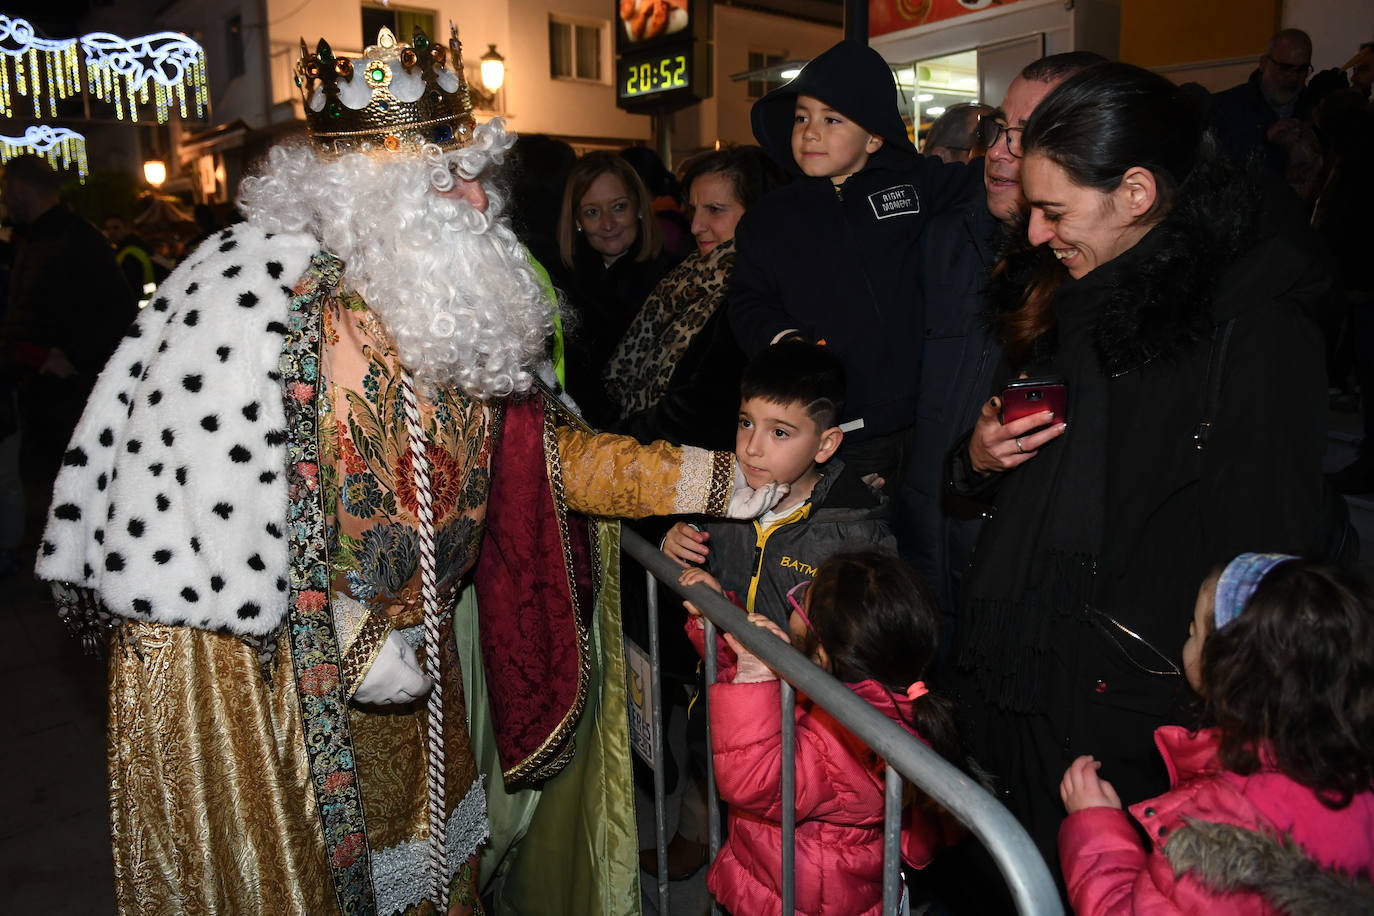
{"type": "Point", "coordinates": [32, 58]}
{"type": "Point", "coordinates": [121, 71]}
{"type": "Point", "coordinates": [166, 69]}
{"type": "Point", "coordinates": [62, 148]}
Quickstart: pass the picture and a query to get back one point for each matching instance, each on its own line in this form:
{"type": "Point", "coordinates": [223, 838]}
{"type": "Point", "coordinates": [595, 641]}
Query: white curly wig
{"type": "Point", "coordinates": [452, 285]}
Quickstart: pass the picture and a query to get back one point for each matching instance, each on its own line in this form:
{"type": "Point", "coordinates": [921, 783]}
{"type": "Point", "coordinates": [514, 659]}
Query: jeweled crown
{"type": "Point", "coordinates": [395, 97]}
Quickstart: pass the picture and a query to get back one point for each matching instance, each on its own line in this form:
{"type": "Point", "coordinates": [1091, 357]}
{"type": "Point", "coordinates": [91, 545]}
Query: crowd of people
{"type": "Point", "coordinates": [1021, 439]}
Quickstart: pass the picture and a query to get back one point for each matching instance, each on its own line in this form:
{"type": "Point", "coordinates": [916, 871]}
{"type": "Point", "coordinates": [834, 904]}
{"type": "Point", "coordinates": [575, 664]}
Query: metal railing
{"type": "Point", "coordinates": [1023, 869]}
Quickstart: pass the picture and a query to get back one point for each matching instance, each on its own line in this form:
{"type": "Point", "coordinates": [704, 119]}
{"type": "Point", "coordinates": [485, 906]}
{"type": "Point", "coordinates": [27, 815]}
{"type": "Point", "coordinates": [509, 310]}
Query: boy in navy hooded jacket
{"type": "Point", "coordinates": [832, 256]}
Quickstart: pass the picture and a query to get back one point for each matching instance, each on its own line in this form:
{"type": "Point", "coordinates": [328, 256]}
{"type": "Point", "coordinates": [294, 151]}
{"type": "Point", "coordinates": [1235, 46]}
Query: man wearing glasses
{"type": "Point", "coordinates": [1247, 116]}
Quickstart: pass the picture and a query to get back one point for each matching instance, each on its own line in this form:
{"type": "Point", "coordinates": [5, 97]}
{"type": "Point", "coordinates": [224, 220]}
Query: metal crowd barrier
{"type": "Point", "coordinates": [1021, 864]}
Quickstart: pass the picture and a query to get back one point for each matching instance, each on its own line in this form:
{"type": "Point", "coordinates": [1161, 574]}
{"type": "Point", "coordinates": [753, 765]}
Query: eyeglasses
{"type": "Point", "coordinates": [796, 595]}
{"type": "Point", "coordinates": [990, 130]}
{"type": "Point", "coordinates": [1136, 649]}
{"type": "Point", "coordinates": [1298, 69]}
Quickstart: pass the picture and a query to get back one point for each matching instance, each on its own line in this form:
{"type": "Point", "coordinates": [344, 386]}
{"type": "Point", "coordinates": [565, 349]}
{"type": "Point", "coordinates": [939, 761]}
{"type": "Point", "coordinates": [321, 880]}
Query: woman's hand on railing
{"type": "Point", "coordinates": [995, 446]}
{"type": "Point", "coordinates": [750, 670]}
{"type": "Point", "coordinates": [686, 544]}
{"type": "Point", "coordinates": [694, 575]}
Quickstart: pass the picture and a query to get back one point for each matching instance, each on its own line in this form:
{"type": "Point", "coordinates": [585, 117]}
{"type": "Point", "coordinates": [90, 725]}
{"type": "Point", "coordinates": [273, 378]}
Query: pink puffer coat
{"type": "Point", "coordinates": [839, 805]}
{"type": "Point", "coordinates": [1108, 870]}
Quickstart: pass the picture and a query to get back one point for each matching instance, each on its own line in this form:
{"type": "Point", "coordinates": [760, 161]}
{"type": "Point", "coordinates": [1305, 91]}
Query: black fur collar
{"type": "Point", "coordinates": [1156, 298]}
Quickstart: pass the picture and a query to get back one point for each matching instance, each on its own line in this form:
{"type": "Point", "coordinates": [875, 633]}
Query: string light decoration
{"type": "Point", "coordinates": [166, 69]}
{"type": "Point", "coordinates": [62, 148]}
{"type": "Point", "coordinates": [121, 71]}
{"type": "Point", "coordinates": [33, 58]}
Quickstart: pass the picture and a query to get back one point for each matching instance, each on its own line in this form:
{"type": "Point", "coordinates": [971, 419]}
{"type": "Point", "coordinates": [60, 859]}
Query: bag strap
{"type": "Point", "coordinates": [1216, 363]}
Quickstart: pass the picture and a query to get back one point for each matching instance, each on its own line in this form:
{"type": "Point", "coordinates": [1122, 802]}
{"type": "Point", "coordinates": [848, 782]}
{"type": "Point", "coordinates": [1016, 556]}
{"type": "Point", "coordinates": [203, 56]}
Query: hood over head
{"type": "Point", "coordinates": [851, 78]}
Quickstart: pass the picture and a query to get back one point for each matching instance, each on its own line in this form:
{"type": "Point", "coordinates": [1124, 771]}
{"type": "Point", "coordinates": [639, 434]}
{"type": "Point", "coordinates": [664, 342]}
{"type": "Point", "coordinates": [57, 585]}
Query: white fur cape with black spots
{"type": "Point", "coordinates": [171, 503]}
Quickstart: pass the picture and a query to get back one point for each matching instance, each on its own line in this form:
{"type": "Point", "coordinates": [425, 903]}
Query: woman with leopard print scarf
{"type": "Point", "coordinates": [675, 374]}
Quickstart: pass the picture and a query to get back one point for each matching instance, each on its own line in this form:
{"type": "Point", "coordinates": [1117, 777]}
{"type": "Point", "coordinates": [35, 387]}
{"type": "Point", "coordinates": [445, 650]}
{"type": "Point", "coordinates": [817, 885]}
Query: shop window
{"type": "Point", "coordinates": [927, 87]}
{"type": "Point", "coordinates": [763, 60]}
{"type": "Point", "coordinates": [402, 23]}
{"type": "Point", "coordinates": [575, 49]}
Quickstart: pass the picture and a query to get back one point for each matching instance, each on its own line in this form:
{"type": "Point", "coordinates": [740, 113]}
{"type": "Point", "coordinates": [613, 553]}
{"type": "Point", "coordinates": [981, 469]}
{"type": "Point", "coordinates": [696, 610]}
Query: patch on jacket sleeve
{"type": "Point", "coordinates": [898, 200]}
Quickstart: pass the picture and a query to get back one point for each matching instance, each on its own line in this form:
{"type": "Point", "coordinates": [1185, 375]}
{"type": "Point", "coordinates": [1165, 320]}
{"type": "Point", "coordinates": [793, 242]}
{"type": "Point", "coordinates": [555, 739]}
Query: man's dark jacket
{"type": "Point", "coordinates": [66, 291]}
{"type": "Point", "coordinates": [959, 356]}
{"type": "Point", "coordinates": [1242, 119]}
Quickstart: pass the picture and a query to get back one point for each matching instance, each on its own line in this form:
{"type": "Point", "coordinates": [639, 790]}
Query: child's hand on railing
{"type": "Point", "coordinates": [750, 670]}
{"type": "Point", "coordinates": [685, 545]}
{"type": "Point", "coordinates": [1083, 788]}
{"type": "Point", "coordinates": [691, 576]}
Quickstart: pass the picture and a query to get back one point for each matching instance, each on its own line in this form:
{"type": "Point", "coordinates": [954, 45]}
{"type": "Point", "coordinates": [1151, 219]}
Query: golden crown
{"type": "Point", "coordinates": [394, 97]}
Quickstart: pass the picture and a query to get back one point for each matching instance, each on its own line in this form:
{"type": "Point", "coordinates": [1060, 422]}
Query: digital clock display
{"type": "Point", "coordinates": [648, 74]}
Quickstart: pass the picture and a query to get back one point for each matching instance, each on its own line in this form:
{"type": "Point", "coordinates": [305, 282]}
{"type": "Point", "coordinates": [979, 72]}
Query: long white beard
{"type": "Point", "coordinates": [451, 285]}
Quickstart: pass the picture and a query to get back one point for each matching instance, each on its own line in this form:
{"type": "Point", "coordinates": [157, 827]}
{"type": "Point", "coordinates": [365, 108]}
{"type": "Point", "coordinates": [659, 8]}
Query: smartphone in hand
{"type": "Point", "coordinates": [1028, 396]}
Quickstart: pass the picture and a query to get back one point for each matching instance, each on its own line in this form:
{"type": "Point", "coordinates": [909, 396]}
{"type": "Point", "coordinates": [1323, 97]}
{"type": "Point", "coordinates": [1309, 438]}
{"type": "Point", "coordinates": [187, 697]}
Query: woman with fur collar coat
{"type": "Point", "coordinates": [1147, 260]}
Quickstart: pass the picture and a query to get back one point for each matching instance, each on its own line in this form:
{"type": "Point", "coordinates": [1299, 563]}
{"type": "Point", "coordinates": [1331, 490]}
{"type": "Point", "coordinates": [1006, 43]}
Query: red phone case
{"type": "Point", "coordinates": [1025, 397]}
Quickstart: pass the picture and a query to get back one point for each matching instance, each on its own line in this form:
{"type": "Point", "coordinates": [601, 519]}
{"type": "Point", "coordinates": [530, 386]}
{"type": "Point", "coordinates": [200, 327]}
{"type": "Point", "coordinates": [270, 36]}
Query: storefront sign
{"type": "Point", "coordinates": [894, 15]}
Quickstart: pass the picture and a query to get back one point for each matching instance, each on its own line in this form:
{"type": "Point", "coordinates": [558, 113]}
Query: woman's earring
{"type": "Point", "coordinates": [579, 226]}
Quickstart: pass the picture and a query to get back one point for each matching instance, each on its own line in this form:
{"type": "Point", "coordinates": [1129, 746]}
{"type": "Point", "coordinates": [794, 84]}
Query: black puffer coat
{"type": "Point", "coordinates": [759, 565]}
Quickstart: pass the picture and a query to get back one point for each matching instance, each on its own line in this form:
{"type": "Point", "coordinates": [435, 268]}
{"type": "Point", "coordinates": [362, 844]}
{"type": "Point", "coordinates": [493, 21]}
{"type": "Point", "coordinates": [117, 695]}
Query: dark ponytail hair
{"type": "Point", "coordinates": [751, 172]}
{"type": "Point", "coordinates": [1114, 117]}
{"type": "Point", "coordinates": [877, 620]}
{"type": "Point", "coordinates": [1096, 126]}
{"type": "Point", "coordinates": [1291, 681]}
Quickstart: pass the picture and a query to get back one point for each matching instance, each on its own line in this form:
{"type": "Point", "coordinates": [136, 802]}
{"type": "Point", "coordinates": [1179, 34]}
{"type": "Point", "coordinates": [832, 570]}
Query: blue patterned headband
{"type": "Point", "coordinates": [1238, 582]}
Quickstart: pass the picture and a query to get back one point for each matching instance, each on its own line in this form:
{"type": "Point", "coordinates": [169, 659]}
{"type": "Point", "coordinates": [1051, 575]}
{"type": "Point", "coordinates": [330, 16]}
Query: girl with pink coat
{"type": "Point", "coordinates": [867, 620]}
{"type": "Point", "coordinates": [1272, 807]}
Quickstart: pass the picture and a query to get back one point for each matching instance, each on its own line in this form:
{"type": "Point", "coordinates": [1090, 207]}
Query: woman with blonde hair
{"type": "Point", "coordinates": [611, 257]}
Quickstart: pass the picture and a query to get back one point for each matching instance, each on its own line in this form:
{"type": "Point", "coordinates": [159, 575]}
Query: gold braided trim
{"type": "Point", "coordinates": [722, 483]}
{"type": "Point", "coordinates": [357, 661]}
{"type": "Point", "coordinates": [557, 750]}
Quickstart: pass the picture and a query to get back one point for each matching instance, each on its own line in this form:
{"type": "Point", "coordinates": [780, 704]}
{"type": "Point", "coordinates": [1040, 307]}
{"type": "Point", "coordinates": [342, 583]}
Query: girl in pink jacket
{"type": "Point", "coordinates": [867, 620]}
{"type": "Point", "coordinates": [1272, 808]}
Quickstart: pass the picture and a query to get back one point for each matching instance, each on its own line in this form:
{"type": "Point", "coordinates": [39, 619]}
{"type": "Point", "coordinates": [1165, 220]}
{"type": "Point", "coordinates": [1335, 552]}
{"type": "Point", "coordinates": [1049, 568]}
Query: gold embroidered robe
{"type": "Point", "coordinates": [212, 810]}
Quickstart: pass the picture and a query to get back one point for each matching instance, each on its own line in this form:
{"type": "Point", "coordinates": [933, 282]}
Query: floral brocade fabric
{"type": "Point", "coordinates": [211, 810]}
{"type": "Point", "coordinates": [367, 474]}
{"type": "Point", "coordinates": [368, 480]}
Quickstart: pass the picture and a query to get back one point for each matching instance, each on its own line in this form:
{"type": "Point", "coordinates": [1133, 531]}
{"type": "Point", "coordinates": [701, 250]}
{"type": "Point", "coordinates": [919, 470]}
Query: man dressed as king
{"type": "Point", "coordinates": [326, 423]}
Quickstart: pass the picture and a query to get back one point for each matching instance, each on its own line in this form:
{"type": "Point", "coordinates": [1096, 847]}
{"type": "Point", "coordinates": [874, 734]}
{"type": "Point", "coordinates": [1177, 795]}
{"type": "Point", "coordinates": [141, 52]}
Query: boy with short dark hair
{"type": "Point", "coordinates": [790, 399]}
{"type": "Point", "coordinates": [832, 256]}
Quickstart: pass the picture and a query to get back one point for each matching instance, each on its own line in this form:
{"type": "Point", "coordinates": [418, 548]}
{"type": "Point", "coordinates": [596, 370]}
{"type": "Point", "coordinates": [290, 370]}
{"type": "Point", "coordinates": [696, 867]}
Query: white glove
{"type": "Point", "coordinates": [747, 502]}
{"type": "Point", "coordinates": [395, 676]}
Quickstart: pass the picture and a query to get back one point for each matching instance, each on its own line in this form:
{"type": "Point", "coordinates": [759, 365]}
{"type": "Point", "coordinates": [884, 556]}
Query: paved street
{"type": "Point", "coordinates": [54, 835]}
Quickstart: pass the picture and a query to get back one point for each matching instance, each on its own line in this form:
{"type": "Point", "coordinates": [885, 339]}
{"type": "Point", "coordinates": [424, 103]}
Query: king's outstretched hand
{"type": "Point", "coordinates": [751, 502]}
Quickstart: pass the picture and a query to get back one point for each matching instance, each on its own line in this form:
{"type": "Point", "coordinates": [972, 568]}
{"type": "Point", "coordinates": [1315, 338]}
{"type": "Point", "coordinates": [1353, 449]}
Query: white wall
{"type": "Point", "coordinates": [724, 117]}
{"type": "Point", "coordinates": [1337, 27]}
{"type": "Point", "coordinates": [532, 101]}
{"type": "Point", "coordinates": [540, 104]}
